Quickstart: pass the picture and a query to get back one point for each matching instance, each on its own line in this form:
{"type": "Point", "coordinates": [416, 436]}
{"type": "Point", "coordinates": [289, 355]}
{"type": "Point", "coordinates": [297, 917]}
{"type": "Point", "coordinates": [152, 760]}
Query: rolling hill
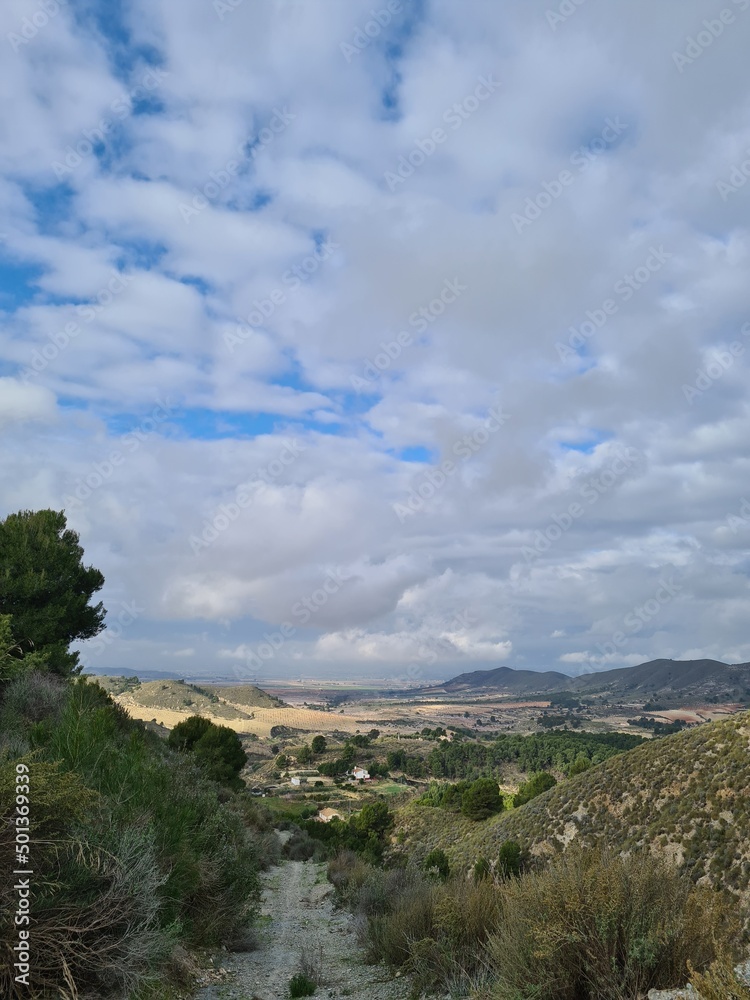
{"type": "Point", "coordinates": [244, 695]}
{"type": "Point", "coordinates": [665, 680]}
{"type": "Point", "coordinates": [686, 796]}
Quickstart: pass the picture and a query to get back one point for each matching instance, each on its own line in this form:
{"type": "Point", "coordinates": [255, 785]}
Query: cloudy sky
{"type": "Point", "coordinates": [383, 339]}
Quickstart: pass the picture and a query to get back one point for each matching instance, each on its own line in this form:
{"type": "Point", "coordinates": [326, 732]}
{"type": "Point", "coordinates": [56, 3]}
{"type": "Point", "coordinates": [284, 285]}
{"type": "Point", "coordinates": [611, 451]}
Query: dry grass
{"type": "Point", "coordinates": [263, 722]}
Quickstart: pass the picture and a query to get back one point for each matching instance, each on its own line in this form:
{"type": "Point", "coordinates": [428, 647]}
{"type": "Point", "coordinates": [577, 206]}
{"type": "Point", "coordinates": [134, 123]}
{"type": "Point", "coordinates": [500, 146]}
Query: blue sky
{"type": "Point", "coordinates": [386, 341]}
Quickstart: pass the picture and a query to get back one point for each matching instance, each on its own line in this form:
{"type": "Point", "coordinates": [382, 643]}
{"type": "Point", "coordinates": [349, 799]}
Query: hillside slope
{"type": "Point", "coordinates": [170, 695]}
{"type": "Point", "coordinates": [504, 679]}
{"type": "Point", "coordinates": [687, 796]}
{"type": "Point", "coordinates": [244, 695]}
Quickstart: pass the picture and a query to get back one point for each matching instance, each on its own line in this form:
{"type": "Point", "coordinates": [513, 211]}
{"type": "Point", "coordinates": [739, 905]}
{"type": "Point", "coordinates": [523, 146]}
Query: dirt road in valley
{"type": "Point", "coordinates": [298, 916]}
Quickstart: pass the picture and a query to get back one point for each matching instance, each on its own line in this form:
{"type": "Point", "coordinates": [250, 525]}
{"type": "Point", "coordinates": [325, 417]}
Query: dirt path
{"type": "Point", "coordinates": [298, 916]}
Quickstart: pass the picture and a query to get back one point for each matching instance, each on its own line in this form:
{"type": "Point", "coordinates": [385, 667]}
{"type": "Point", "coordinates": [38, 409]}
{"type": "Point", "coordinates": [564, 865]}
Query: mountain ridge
{"type": "Point", "coordinates": [660, 677]}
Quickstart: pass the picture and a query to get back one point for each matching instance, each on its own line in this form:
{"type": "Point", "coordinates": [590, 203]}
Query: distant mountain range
{"type": "Point", "coordinates": [662, 679]}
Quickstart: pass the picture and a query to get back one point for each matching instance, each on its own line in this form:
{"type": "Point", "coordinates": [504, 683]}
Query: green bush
{"type": "Point", "coordinates": [136, 848]}
{"type": "Point", "coordinates": [537, 783]}
{"type": "Point", "coordinates": [510, 860]}
{"type": "Point", "coordinates": [595, 924]}
{"type": "Point", "coordinates": [301, 985]}
{"type": "Point", "coordinates": [437, 861]}
{"type": "Point", "coordinates": [481, 799]}
{"type": "Point", "coordinates": [218, 749]}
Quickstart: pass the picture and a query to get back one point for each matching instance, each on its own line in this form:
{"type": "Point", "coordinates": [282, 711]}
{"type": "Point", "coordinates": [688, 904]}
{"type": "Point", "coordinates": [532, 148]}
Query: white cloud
{"type": "Point", "coordinates": [455, 581]}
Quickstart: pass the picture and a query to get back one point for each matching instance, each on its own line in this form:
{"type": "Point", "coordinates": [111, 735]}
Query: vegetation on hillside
{"type": "Point", "coordinates": [683, 796]}
{"type": "Point", "coordinates": [537, 752]}
{"type": "Point", "coordinates": [587, 926]}
{"type": "Point", "coordinates": [135, 850]}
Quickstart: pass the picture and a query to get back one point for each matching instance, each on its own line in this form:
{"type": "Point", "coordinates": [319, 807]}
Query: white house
{"type": "Point", "coordinates": [295, 781]}
{"type": "Point", "coordinates": [360, 773]}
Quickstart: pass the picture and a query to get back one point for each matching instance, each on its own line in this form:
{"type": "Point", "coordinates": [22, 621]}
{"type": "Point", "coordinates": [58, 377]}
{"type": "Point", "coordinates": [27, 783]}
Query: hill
{"type": "Point", "coordinates": [504, 679]}
{"type": "Point", "coordinates": [244, 695]}
{"type": "Point", "coordinates": [665, 680]}
{"type": "Point", "coordinates": [685, 796]}
{"type": "Point", "coordinates": [169, 695]}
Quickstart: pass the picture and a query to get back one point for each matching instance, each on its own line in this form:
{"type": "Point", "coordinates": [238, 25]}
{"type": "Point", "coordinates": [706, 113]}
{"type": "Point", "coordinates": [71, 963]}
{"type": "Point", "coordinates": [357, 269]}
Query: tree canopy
{"type": "Point", "coordinates": [218, 749]}
{"type": "Point", "coordinates": [47, 590]}
{"type": "Point", "coordinates": [481, 799]}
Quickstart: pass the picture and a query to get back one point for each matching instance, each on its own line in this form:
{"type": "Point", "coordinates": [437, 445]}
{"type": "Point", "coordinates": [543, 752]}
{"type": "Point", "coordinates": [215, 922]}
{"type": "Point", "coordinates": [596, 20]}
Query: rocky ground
{"type": "Point", "coordinates": [298, 922]}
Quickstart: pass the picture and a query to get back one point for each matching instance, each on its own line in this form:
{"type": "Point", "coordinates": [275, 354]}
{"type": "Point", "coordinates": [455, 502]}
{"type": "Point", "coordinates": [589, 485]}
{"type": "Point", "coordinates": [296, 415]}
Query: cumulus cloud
{"type": "Point", "coordinates": [263, 250]}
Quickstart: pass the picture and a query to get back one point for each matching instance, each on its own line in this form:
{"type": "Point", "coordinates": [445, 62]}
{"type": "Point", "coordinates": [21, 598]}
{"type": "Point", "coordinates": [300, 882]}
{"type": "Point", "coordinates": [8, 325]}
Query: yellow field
{"type": "Point", "coordinates": [261, 724]}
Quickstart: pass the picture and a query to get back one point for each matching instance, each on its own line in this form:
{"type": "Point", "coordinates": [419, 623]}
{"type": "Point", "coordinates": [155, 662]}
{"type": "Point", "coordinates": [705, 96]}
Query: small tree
{"type": "Point", "coordinates": [319, 744]}
{"type": "Point", "coordinates": [303, 755]}
{"type": "Point", "coordinates": [186, 734]}
{"type": "Point", "coordinates": [219, 751]}
{"type": "Point", "coordinates": [481, 799]}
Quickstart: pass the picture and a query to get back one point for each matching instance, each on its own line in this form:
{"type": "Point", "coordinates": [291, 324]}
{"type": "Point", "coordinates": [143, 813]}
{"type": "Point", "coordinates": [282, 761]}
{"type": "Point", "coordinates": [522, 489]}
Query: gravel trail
{"type": "Point", "coordinates": [298, 914]}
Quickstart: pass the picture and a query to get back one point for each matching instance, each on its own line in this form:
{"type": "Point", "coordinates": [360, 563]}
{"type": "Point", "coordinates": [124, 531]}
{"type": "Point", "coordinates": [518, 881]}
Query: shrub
{"type": "Point", "coordinates": [719, 982]}
{"type": "Point", "coordinates": [482, 870]}
{"type": "Point", "coordinates": [218, 749]}
{"type": "Point", "coordinates": [33, 697]}
{"type": "Point", "coordinates": [135, 846]}
{"type": "Point", "coordinates": [437, 861]}
{"type": "Point", "coordinates": [407, 917]}
{"type": "Point", "coordinates": [301, 986]}
{"type": "Point", "coordinates": [540, 782]}
{"type": "Point", "coordinates": [302, 847]}
{"type": "Point", "coordinates": [319, 744]}
{"type": "Point", "coordinates": [510, 861]}
{"type": "Point", "coordinates": [595, 924]}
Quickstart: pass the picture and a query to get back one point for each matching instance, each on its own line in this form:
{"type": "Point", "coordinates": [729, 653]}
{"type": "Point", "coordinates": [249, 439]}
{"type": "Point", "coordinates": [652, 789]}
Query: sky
{"type": "Point", "coordinates": [386, 339]}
